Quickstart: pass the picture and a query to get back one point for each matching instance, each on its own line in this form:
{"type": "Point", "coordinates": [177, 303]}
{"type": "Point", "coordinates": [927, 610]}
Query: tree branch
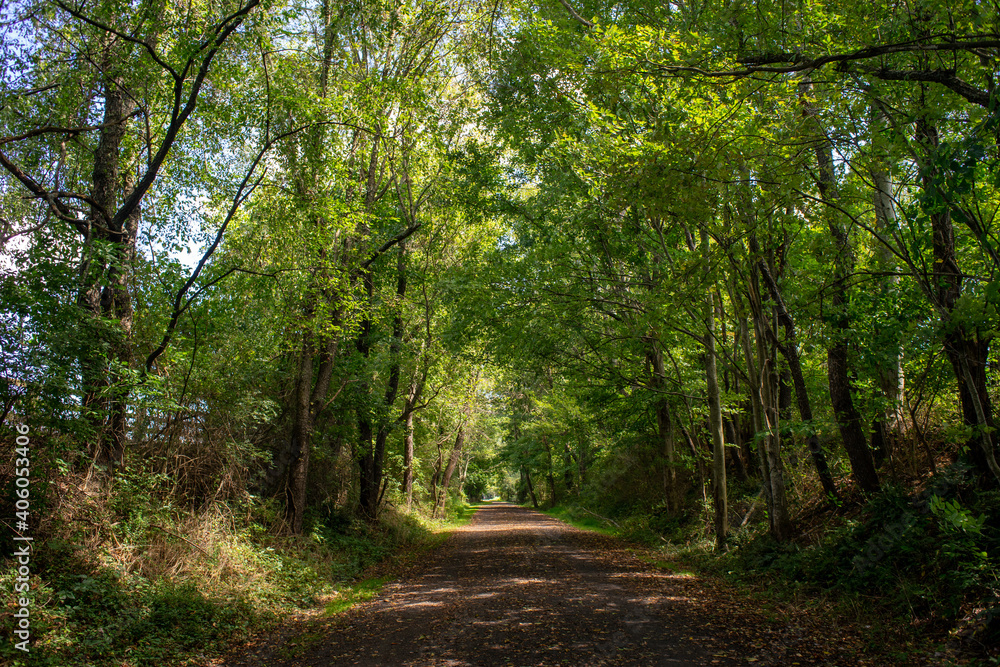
{"type": "Point", "coordinates": [117, 33]}
{"type": "Point", "coordinates": [180, 114]}
{"type": "Point", "coordinates": [61, 210]}
{"type": "Point", "coordinates": [944, 77]}
{"type": "Point", "coordinates": [572, 12]}
{"type": "Point", "coordinates": [768, 63]}
{"type": "Point", "coordinates": [52, 129]}
{"type": "Point", "coordinates": [402, 236]}
{"type": "Point", "coordinates": [244, 191]}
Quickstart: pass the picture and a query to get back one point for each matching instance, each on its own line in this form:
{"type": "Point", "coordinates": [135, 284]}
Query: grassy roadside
{"type": "Point", "coordinates": [124, 581]}
{"type": "Point", "coordinates": [372, 580]}
{"type": "Point", "coordinates": [578, 517]}
{"type": "Point", "coordinates": [297, 635]}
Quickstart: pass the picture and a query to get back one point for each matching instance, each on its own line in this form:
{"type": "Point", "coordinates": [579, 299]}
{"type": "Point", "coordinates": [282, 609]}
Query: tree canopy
{"type": "Point", "coordinates": [654, 259]}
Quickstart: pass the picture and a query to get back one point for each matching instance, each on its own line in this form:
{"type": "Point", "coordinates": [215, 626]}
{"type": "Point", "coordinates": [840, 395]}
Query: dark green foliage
{"type": "Point", "coordinates": [179, 618]}
{"type": "Point", "coordinates": [475, 486]}
{"type": "Point", "coordinates": [923, 556]}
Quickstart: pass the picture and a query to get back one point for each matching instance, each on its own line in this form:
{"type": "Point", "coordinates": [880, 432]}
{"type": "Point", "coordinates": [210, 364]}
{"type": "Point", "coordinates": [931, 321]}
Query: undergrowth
{"type": "Point", "coordinates": [926, 561]}
{"type": "Point", "coordinates": [126, 578]}
{"type": "Point", "coordinates": [925, 564]}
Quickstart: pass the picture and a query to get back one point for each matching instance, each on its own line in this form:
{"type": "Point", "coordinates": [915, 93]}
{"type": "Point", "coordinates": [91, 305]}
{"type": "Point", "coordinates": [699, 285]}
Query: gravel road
{"type": "Point", "coordinates": [515, 587]}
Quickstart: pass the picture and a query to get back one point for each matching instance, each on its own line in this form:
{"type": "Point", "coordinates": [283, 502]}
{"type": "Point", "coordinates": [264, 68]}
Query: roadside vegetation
{"type": "Point", "coordinates": [122, 577]}
{"type": "Point", "coordinates": [283, 280]}
{"type": "Point", "coordinates": [909, 572]}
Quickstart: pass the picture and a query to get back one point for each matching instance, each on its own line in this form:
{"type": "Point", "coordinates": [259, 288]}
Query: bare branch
{"type": "Point", "coordinates": [34, 91]}
{"type": "Point", "coordinates": [769, 64]}
{"type": "Point", "coordinates": [572, 12]}
{"type": "Point", "coordinates": [61, 210]}
{"type": "Point", "coordinates": [180, 114]}
{"type": "Point", "coordinates": [946, 78]}
{"type": "Point", "coordinates": [243, 192]}
{"type": "Point", "coordinates": [402, 236]}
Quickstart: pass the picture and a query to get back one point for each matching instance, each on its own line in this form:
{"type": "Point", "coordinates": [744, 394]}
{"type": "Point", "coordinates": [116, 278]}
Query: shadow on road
{"type": "Point", "coordinates": [515, 587]}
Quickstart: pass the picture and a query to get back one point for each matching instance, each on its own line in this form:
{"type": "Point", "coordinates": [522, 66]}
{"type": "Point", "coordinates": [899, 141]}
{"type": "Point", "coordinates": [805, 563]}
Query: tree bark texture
{"type": "Point", "coordinates": [968, 351]}
{"type": "Point", "coordinates": [456, 453]}
{"type": "Point", "coordinates": [838, 353]}
{"type": "Point", "coordinates": [719, 489]}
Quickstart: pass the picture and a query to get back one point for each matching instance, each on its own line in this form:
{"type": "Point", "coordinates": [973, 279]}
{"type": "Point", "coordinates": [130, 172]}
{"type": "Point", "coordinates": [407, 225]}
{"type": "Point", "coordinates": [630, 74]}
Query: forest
{"type": "Point", "coordinates": [288, 286]}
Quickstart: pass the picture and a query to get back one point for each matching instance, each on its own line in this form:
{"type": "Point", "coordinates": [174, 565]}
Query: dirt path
{"type": "Point", "coordinates": [515, 587]}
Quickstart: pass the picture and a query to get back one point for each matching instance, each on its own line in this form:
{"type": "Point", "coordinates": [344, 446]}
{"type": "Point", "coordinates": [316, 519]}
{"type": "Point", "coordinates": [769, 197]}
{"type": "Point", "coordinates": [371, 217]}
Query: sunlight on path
{"type": "Point", "coordinates": [515, 587]}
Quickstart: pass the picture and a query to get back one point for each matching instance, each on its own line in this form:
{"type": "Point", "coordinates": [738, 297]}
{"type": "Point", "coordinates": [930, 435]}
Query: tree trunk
{"type": "Point", "coordinates": [838, 370]}
{"type": "Point", "coordinates": [412, 398]}
{"type": "Point", "coordinates": [531, 487]}
{"type": "Point", "coordinates": [373, 460]}
{"type": "Point", "coordinates": [368, 480]}
{"type": "Point", "coordinates": [438, 469]}
{"type": "Point", "coordinates": [408, 460]}
{"type": "Point", "coordinates": [312, 386]}
{"type": "Point", "coordinates": [764, 398]}
{"type": "Point", "coordinates": [744, 437]}
{"type": "Point", "coordinates": [665, 425]}
{"type": "Point", "coordinates": [756, 412]}
{"type": "Point", "coordinates": [839, 376]}
{"type": "Point", "coordinates": [732, 438]}
{"type": "Point", "coordinates": [782, 525]}
{"type": "Point", "coordinates": [462, 475]}
{"type": "Point", "coordinates": [568, 468]}
{"type": "Point", "coordinates": [790, 350]}
{"type": "Point", "coordinates": [456, 452]}
{"type": "Point", "coordinates": [968, 352]}
{"type": "Point", "coordinates": [719, 490]}
{"type": "Point", "coordinates": [665, 429]}
{"type": "Point", "coordinates": [848, 417]}
{"type": "Point", "coordinates": [302, 435]}
{"type": "Point", "coordinates": [104, 294]}
{"type": "Point", "coordinates": [889, 422]}
{"type": "Point", "coordinates": [550, 473]}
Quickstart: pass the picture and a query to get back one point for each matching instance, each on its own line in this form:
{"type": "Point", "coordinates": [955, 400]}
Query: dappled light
{"type": "Point", "coordinates": [517, 586]}
{"type": "Point", "coordinates": [483, 332]}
